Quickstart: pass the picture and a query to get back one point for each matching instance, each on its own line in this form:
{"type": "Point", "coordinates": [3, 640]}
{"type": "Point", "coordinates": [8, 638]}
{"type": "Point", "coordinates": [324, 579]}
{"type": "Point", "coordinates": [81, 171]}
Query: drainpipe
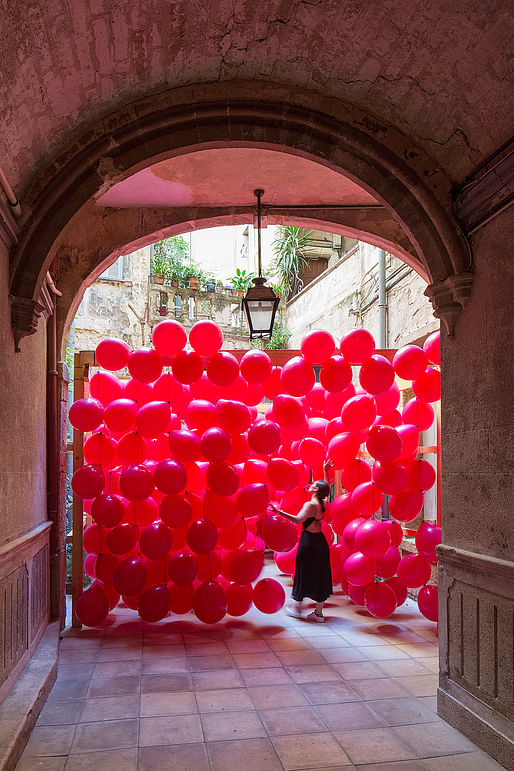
{"type": "Point", "coordinates": [382, 300]}
{"type": "Point", "coordinates": [11, 195]}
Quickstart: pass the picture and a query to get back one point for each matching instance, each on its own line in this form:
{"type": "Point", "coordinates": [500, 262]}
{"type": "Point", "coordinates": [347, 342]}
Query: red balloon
{"type": "Point", "coordinates": [384, 443]}
{"type": "Point", "coordinates": [170, 476]}
{"type": "Point", "coordinates": [359, 412]}
{"type": "Point", "coordinates": [233, 536]}
{"type": "Point", "coordinates": [393, 419]}
{"type": "Point", "coordinates": [219, 509]}
{"type": "Point", "coordinates": [343, 448]}
{"type": "Point", "coordinates": [88, 481]}
{"type": "Point", "coordinates": [105, 387]}
{"type": "Point", "coordinates": [92, 606]}
{"type": "Point", "coordinates": [105, 566]}
{"type": "Point", "coordinates": [414, 570]}
{"type": "Point", "coordinates": [278, 533]}
{"type": "Point", "coordinates": [110, 592]}
{"type": "Point", "coordinates": [206, 338]}
{"type": "Point", "coordinates": [154, 604]}
{"type": "Point", "coordinates": [94, 539]}
{"type": "Point", "coordinates": [380, 600]}
{"type": "Point", "coordinates": [175, 510]}
{"type": "Point", "coordinates": [183, 568]}
{"type": "Point", "coordinates": [283, 474]}
{"type": "Point", "coordinates": [222, 478]}
{"type": "Point", "coordinates": [222, 368]}
{"type": "Point", "coordinates": [359, 569]}
{"type": "Point", "coordinates": [376, 374]}
{"type": "Point", "coordinates": [239, 599]}
{"type": "Point", "coordinates": [268, 595]}
{"type": "Point", "coordinates": [142, 512]}
{"type": "Point", "coordinates": [130, 576]}
{"type": "Point", "coordinates": [86, 414]}
{"type": "Point", "coordinates": [253, 499]}
{"type": "Point", "coordinates": [388, 562]}
{"type": "Point", "coordinates": [327, 532]}
{"type": "Point", "coordinates": [256, 366]}
{"type": "Point", "coordinates": [399, 589]}
{"type": "Point", "coordinates": [167, 389]}
{"type": "Point", "coordinates": [169, 338]}
{"type": "Point", "coordinates": [297, 376]}
{"type": "Point", "coordinates": [432, 347]}
{"type": "Point", "coordinates": [357, 346]}
{"type": "Point", "coordinates": [209, 565]}
{"type": "Point", "coordinates": [390, 478]}
{"type": "Point", "coordinates": [122, 538]}
{"type": "Point", "coordinates": [99, 449]}
{"type": "Point", "coordinates": [429, 535]}
{"type": "Point", "coordinates": [272, 387]}
{"type": "Point", "coordinates": [205, 389]}
{"type": "Point", "coordinates": [240, 449]}
{"type": "Point", "coordinates": [181, 598]}
{"type": "Point", "coordinates": [419, 413]}
{"type": "Point", "coordinates": [318, 429]}
{"type": "Point", "coordinates": [89, 565]}
{"type": "Point", "coordinates": [216, 444]}
{"type": "Point", "coordinates": [349, 531]}
{"type": "Point", "coordinates": [184, 446]}
{"type": "Point", "coordinates": [119, 415]}
{"type": "Point", "coordinates": [409, 435]}
{"type": "Point", "coordinates": [372, 538]}
{"type": "Point", "coordinates": [406, 506]}
{"type": "Point", "coordinates": [428, 602]}
{"type": "Point", "coordinates": [235, 417]}
{"type": "Point", "coordinates": [264, 437]}
{"type": "Point", "coordinates": [138, 392]}
{"type": "Point", "coordinates": [112, 354]}
{"type": "Point", "coordinates": [395, 531]}
{"type": "Point", "coordinates": [210, 602]}
{"type": "Point", "coordinates": [335, 374]}
{"type": "Point", "coordinates": [410, 362]}
{"type": "Point", "coordinates": [366, 499]}
{"type": "Point", "coordinates": [316, 397]}
{"type": "Point", "coordinates": [356, 593]}
{"type": "Point", "coordinates": [341, 512]}
{"type": "Point", "coordinates": [200, 414]}
{"type": "Point", "coordinates": [235, 391]}
{"type": "Point", "coordinates": [145, 365]}
{"type": "Point", "coordinates": [108, 510]}
{"type": "Point", "coordinates": [285, 561]}
{"type": "Point", "coordinates": [317, 347]}
{"type": "Point", "coordinates": [155, 541]}
{"type": "Point", "coordinates": [202, 536]}
{"type": "Point", "coordinates": [387, 401]}
{"type": "Point", "coordinates": [132, 448]}
{"type": "Point", "coordinates": [427, 386]}
{"type": "Point", "coordinates": [292, 502]}
{"type": "Point", "coordinates": [187, 367]}
{"type": "Point", "coordinates": [288, 412]}
{"type": "Point", "coordinates": [153, 418]}
{"type": "Point", "coordinates": [312, 452]}
{"type": "Point", "coordinates": [355, 473]}
{"type": "Point", "coordinates": [421, 475]}
{"type": "Point", "coordinates": [243, 566]}
{"type": "Point", "coordinates": [136, 483]}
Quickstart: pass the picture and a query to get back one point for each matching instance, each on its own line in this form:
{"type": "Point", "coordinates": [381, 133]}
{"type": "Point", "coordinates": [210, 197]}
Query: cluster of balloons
{"type": "Point", "coordinates": [180, 467]}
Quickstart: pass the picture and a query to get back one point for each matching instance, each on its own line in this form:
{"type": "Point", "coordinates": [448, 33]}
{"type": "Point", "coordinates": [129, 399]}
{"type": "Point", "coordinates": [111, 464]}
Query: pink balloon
{"type": "Point", "coordinates": [105, 387]}
{"type": "Point", "coordinates": [153, 418]}
{"type": "Point", "coordinates": [181, 598]}
{"type": "Point", "coordinates": [86, 414]}
{"type": "Point", "coordinates": [421, 475]}
{"type": "Point", "coordinates": [427, 386]}
{"type": "Point", "coordinates": [119, 415]}
{"type": "Point", "coordinates": [419, 413]}
{"type": "Point", "coordinates": [187, 367]}
{"type": "Point", "coordinates": [142, 512]}
{"type": "Point", "coordinates": [380, 600]}
{"type": "Point", "coordinates": [359, 569]}
{"type": "Point", "coordinates": [428, 602]}
{"type": "Point", "coordinates": [169, 338]}
{"type": "Point", "coordinates": [432, 348]}
{"type": "Point", "coordinates": [210, 602]}
{"type": "Point", "coordinates": [409, 435]}
{"type": "Point", "coordinates": [343, 448]}
{"type": "Point", "coordinates": [357, 346]}
{"type": "Point", "coordinates": [283, 474]}
{"type": "Point", "coordinates": [410, 362]}
{"type": "Point", "coordinates": [350, 530]}
{"type": "Point", "coordinates": [136, 483]}
{"type": "Point", "coordinates": [355, 473]}
{"type": "Point", "coordinates": [317, 429]}
{"type": "Point", "coordinates": [399, 589]}
{"type": "Point", "coordinates": [154, 604]}
{"type": "Point", "coordinates": [88, 481]}
{"type": "Point", "coordinates": [100, 450]}
{"type": "Point", "coordinates": [222, 478]}
{"type": "Point", "coordinates": [406, 506]}
{"type": "Point", "coordinates": [122, 538]}
{"type": "Point", "coordinates": [297, 376]}
{"type": "Point", "coordinates": [429, 535]}
{"type": "Point", "coordinates": [105, 566]}
{"type": "Point", "coordinates": [239, 599]}
{"type": "Point", "coordinates": [243, 566]}
{"type": "Point", "coordinates": [372, 538]}
{"type": "Point", "coordinates": [395, 531]}
{"type": "Point", "coordinates": [285, 561]}
{"type": "Point", "coordinates": [170, 476]}
{"type": "Point", "coordinates": [268, 595]}
{"type": "Point", "coordinates": [256, 366]}
{"type": "Point", "coordinates": [94, 539]}
{"type": "Point", "coordinates": [264, 437]}
{"type": "Point", "coordinates": [185, 446]}
{"type": "Point", "coordinates": [253, 499]}
{"type": "Point", "coordinates": [240, 449]}
{"type": "Point", "coordinates": [108, 510]}
{"type": "Point", "coordinates": [316, 398]}
{"type": "Point", "coordinates": [216, 444]}
{"type": "Point", "coordinates": [387, 401]}
{"type": "Point", "coordinates": [255, 471]}
{"type": "Point", "coordinates": [130, 576]}
{"type": "Point", "coordinates": [145, 365]}
{"type": "Point", "coordinates": [384, 443]}
{"type": "Point", "coordinates": [112, 354]}
{"type": "Point", "coordinates": [278, 533]}
{"type": "Point", "coordinates": [155, 541]}
{"type": "Point", "coordinates": [359, 412]}
{"type": "Point", "coordinates": [288, 412]}
{"type": "Point", "coordinates": [393, 419]}
{"type": "Point", "coordinates": [391, 478]}
{"type": "Point", "coordinates": [312, 452]}
{"type": "Point", "coordinates": [413, 570]}
{"type": "Point", "coordinates": [202, 536]}
{"type": "Point", "coordinates": [183, 568]}
{"type": "Point", "coordinates": [366, 499]}
{"type": "Point", "coordinates": [138, 392]}
{"type": "Point", "coordinates": [356, 593]}
{"type": "Point", "coordinates": [387, 562]}
{"type": "Point", "coordinates": [92, 606]}
{"type": "Point", "coordinates": [206, 338]}
{"type": "Point", "coordinates": [234, 416]}
{"type": "Point", "coordinates": [376, 374]}
{"type": "Point", "coordinates": [222, 368]}
{"type": "Point", "coordinates": [132, 448]}
{"type": "Point", "coordinates": [233, 536]}
{"type": "Point", "coordinates": [335, 374]}
{"type": "Point", "coordinates": [317, 347]}
{"type": "Point", "coordinates": [341, 512]}
{"type": "Point", "coordinates": [221, 510]}
{"type": "Point", "coordinates": [200, 414]}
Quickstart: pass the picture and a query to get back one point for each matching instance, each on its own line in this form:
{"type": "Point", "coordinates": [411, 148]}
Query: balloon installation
{"type": "Point", "coordinates": [180, 468]}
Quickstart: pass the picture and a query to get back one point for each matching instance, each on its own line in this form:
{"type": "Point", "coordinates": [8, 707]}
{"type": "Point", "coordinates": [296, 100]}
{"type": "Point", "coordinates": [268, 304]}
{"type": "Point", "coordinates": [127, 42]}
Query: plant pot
{"type": "Point", "coordinates": [193, 282]}
{"type": "Point", "coordinates": [157, 278]}
{"type": "Point", "coordinates": [210, 287]}
{"type": "Point", "coordinates": [163, 310]}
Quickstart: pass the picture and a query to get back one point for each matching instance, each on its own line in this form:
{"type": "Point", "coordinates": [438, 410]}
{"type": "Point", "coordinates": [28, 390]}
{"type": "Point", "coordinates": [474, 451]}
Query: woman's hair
{"type": "Point", "coordinates": [322, 492]}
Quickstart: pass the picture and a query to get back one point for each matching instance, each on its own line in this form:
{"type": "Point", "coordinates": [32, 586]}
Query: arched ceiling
{"type": "Point", "coordinates": [438, 71]}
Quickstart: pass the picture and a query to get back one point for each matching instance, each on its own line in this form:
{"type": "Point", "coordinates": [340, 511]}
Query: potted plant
{"type": "Point", "coordinates": [158, 267]}
{"type": "Point", "coordinates": [219, 286]}
{"type": "Point", "coordinates": [240, 282]}
{"type": "Point", "coordinates": [168, 258]}
{"type": "Point", "coordinates": [290, 248]}
{"type": "Point", "coordinates": [209, 282]}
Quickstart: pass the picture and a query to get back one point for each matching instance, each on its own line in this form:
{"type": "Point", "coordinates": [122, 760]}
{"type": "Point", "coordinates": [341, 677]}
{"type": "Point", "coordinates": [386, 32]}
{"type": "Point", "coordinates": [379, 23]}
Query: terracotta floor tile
{"type": "Point", "coordinates": [163, 666]}
{"type": "Point", "coordinates": [115, 668]}
{"type": "Point", "coordinates": [248, 646]}
{"type": "Point", "coordinates": [420, 650]}
{"type": "Point", "coordinates": [219, 726]}
{"type": "Point", "coordinates": [61, 712]}
{"type": "Point", "coordinates": [348, 716]}
{"type": "Point", "coordinates": [431, 663]}
{"type": "Point", "coordinates": [469, 761]}
{"type": "Point", "coordinates": [357, 670]}
{"type": "Point", "coordinates": [113, 686]}
{"type": "Point", "coordinates": [300, 658]}
{"type": "Point", "coordinates": [50, 740]}
{"type": "Point", "coordinates": [78, 656]}
{"type": "Point", "coordinates": [396, 765]}
{"type": "Point", "coordinates": [295, 720]}
{"type": "Point", "coordinates": [310, 751]}
{"type": "Point", "coordinates": [419, 685]}
{"type": "Point", "coordinates": [69, 671]}
{"type": "Point", "coordinates": [385, 652]}
{"type": "Point", "coordinates": [168, 651]}
{"type": "Point", "coordinates": [289, 644]}
{"type": "Point", "coordinates": [78, 643]}
{"type": "Point", "coordinates": [275, 676]}
{"type": "Point", "coordinates": [403, 668]}
{"type": "Point", "coordinates": [174, 729]}
{"type": "Point", "coordinates": [166, 683]}
{"type": "Point", "coordinates": [114, 760]}
{"type": "Point", "coordinates": [207, 663]}
{"type": "Point", "coordinates": [223, 700]}
{"type": "Point", "coordinates": [247, 754]}
{"type": "Point", "coordinates": [379, 688]}
{"type": "Point", "coordinates": [256, 660]}
{"type": "Point", "coordinates": [175, 703]}
{"type": "Point", "coordinates": [182, 757]}
{"type": "Point", "coordinates": [217, 678]}
{"type": "Point", "coordinates": [329, 693]}
{"type": "Point", "coordinates": [396, 712]}
{"type": "Point", "coordinates": [28, 763]}
{"type": "Point", "coordinates": [434, 739]}
{"type": "Point", "coordinates": [107, 735]}
{"type": "Point", "coordinates": [342, 655]}
{"type": "Point", "coordinates": [110, 708]}
{"type": "Point", "coordinates": [322, 673]}
{"type": "Point", "coordinates": [64, 690]}
{"type": "Point", "coordinates": [373, 745]}
{"type": "Point", "coordinates": [269, 696]}
{"type": "Point", "coordinates": [321, 643]}
{"type": "Point", "coordinates": [118, 654]}
{"type": "Point", "coordinates": [206, 649]}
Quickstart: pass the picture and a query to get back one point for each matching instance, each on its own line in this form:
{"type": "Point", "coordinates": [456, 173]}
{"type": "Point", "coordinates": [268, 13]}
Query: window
{"type": "Point", "coordinates": [115, 271]}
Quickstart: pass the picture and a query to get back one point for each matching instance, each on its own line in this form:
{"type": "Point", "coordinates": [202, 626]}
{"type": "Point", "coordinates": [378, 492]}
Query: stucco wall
{"type": "Point", "coordinates": [22, 424]}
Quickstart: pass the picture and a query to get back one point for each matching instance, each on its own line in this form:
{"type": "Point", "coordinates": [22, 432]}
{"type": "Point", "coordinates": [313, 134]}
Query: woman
{"type": "Point", "coordinates": [312, 577]}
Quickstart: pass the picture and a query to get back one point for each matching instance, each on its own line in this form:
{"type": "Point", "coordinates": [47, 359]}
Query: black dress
{"type": "Point", "coordinates": [312, 574]}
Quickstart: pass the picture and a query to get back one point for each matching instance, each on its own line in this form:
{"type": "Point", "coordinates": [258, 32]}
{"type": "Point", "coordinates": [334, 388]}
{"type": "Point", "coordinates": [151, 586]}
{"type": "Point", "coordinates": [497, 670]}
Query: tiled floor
{"type": "Point", "coordinates": [256, 693]}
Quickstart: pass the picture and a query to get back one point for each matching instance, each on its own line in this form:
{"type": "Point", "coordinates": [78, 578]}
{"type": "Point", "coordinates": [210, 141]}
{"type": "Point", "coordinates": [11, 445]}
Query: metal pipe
{"type": "Point", "coordinates": [382, 299]}
{"type": "Point", "coordinates": [11, 195]}
{"type": "Point", "coordinates": [258, 194]}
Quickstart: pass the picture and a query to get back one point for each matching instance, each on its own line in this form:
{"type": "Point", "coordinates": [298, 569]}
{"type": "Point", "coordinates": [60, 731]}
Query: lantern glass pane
{"type": "Point", "coordinates": [261, 314]}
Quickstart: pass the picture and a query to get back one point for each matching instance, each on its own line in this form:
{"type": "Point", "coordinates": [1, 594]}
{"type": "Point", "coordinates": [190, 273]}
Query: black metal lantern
{"type": "Point", "coordinates": [260, 302]}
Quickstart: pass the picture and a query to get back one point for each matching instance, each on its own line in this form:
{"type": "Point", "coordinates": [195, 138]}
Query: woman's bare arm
{"type": "Point", "coordinates": [308, 510]}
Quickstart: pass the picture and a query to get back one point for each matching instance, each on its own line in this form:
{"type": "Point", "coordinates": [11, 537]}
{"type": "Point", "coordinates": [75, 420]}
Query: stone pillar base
{"type": "Point", "coordinates": [476, 649]}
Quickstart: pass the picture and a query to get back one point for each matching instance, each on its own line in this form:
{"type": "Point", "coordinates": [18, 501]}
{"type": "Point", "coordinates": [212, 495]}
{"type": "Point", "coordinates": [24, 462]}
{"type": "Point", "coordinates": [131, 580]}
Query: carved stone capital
{"type": "Point", "coordinates": [449, 297]}
{"type": "Point", "coordinates": [25, 315]}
